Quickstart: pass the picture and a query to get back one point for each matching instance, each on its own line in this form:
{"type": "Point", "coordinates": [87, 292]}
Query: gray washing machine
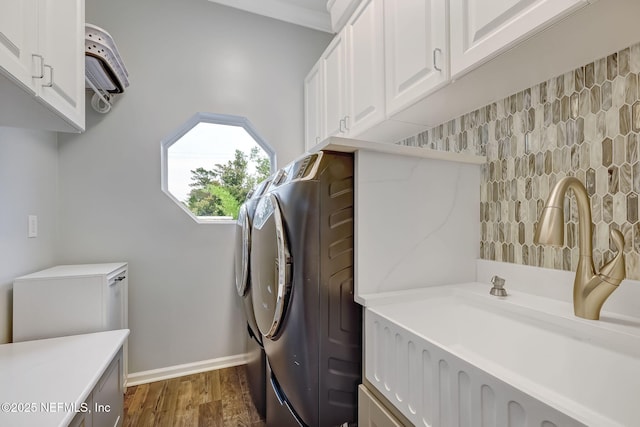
{"type": "Point", "coordinates": [302, 278]}
{"type": "Point", "coordinates": [256, 363]}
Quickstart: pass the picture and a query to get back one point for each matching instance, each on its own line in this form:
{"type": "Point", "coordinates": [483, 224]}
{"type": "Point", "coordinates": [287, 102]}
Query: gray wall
{"type": "Point", "coordinates": [28, 186]}
{"type": "Point", "coordinates": [183, 56]}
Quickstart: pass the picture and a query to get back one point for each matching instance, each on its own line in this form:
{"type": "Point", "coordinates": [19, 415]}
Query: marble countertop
{"type": "Point", "coordinates": [44, 382]}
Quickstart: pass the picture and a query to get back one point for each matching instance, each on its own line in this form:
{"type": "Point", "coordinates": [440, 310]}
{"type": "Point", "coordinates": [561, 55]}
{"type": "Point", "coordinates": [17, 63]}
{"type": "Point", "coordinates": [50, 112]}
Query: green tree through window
{"type": "Point", "coordinates": [220, 191]}
{"type": "Point", "coordinates": [211, 162]}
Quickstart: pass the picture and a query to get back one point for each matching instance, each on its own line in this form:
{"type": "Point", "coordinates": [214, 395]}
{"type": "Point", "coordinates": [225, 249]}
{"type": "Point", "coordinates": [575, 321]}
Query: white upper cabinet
{"type": "Point", "coordinates": [313, 107]}
{"type": "Point", "coordinates": [42, 53]}
{"type": "Point", "coordinates": [480, 29]}
{"type": "Point", "coordinates": [18, 40]}
{"type": "Point", "coordinates": [340, 11]}
{"type": "Point", "coordinates": [365, 67]}
{"type": "Point", "coordinates": [416, 52]}
{"type": "Point", "coordinates": [334, 83]}
{"type": "Point", "coordinates": [61, 44]}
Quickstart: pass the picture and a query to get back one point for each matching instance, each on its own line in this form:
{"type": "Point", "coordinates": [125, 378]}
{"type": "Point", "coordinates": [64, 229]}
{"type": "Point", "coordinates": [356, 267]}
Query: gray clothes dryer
{"type": "Point", "coordinates": [302, 277]}
{"type": "Point", "coordinates": [256, 363]}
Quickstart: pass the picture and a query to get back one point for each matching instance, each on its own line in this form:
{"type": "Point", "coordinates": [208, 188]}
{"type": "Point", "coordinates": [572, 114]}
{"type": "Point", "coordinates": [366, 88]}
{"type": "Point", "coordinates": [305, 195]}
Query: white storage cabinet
{"type": "Point", "coordinates": [416, 50]}
{"type": "Point", "coordinates": [42, 64]}
{"type": "Point", "coordinates": [313, 107]}
{"type": "Point", "coordinates": [372, 413]}
{"type": "Point", "coordinates": [334, 82]}
{"type": "Point", "coordinates": [480, 30]}
{"type": "Point", "coordinates": [71, 300]}
{"type": "Point", "coordinates": [344, 91]}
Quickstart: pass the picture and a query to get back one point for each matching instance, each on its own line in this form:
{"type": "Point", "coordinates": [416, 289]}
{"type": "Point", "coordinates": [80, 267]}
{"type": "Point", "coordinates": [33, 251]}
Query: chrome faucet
{"type": "Point", "coordinates": [590, 289]}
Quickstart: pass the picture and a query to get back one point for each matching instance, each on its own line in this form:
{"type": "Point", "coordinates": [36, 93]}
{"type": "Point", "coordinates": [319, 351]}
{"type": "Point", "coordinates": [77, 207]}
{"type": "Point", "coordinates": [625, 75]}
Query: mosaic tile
{"type": "Point", "coordinates": [606, 95]}
{"type": "Point", "coordinates": [624, 119]}
{"type": "Point", "coordinates": [583, 123]}
{"type": "Point", "coordinates": [612, 66]}
{"type": "Point", "coordinates": [618, 94]}
{"type": "Point", "coordinates": [630, 88]}
{"type": "Point", "coordinates": [625, 178]}
{"type": "Point", "coordinates": [623, 62]}
{"type": "Point", "coordinates": [632, 148]}
{"type": "Point", "coordinates": [635, 120]}
{"type": "Point", "coordinates": [589, 75]}
{"type": "Point", "coordinates": [634, 58]}
{"type": "Point", "coordinates": [619, 153]}
{"type": "Point", "coordinates": [632, 208]}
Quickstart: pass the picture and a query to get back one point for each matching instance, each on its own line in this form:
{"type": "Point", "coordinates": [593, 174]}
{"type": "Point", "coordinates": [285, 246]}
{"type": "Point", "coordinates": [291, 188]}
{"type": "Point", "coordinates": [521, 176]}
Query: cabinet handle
{"type": "Point", "coordinates": [346, 123]}
{"type": "Point", "coordinates": [341, 128]}
{"type": "Point", "coordinates": [51, 74]}
{"type": "Point", "coordinates": [435, 65]}
{"type": "Point", "coordinates": [317, 140]}
{"type": "Point", "coordinates": [35, 55]}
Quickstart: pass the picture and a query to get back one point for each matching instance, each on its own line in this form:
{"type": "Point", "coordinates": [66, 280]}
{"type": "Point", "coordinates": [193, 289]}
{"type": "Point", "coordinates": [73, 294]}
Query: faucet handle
{"type": "Point", "coordinates": [614, 271]}
{"type": "Point", "coordinates": [498, 287]}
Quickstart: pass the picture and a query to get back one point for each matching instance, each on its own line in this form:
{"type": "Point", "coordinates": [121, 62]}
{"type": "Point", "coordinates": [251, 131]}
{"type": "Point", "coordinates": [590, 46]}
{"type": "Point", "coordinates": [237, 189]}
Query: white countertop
{"type": "Point", "coordinates": [75, 270]}
{"type": "Point", "coordinates": [43, 376]}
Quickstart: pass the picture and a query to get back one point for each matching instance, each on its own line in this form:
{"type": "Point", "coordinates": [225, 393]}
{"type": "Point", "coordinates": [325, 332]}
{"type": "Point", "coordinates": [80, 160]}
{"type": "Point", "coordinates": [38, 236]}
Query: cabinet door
{"type": "Point", "coordinates": [482, 29]}
{"type": "Point", "coordinates": [313, 107]}
{"type": "Point", "coordinates": [365, 67]}
{"type": "Point", "coordinates": [334, 82]}
{"type": "Point", "coordinates": [371, 413]}
{"type": "Point", "coordinates": [416, 54]}
{"type": "Point", "coordinates": [108, 406]}
{"type": "Point", "coordinates": [61, 43]}
{"type": "Point", "coordinates": [18, 21]}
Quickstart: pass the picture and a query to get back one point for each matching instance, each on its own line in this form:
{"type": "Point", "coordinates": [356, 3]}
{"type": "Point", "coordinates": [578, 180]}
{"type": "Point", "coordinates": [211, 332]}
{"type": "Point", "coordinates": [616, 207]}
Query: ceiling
{"type": "Point", "coordinates": [308, 13]}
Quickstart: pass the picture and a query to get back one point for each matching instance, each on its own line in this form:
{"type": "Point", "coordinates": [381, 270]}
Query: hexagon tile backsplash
{"type": "Point", "coordinates": [584, 123]}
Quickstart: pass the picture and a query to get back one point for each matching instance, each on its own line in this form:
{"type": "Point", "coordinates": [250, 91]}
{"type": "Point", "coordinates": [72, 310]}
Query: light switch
{"type": "Point", "coordinates": [33, 225]}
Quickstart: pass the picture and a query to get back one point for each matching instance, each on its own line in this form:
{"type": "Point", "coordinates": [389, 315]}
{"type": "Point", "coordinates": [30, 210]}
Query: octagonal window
{"type": "Point", "coordinates": [211, 163]}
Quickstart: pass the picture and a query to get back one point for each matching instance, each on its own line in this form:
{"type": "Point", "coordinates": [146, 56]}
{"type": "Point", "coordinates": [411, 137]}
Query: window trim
{"type": "Point", "coordinates": [203, 117]}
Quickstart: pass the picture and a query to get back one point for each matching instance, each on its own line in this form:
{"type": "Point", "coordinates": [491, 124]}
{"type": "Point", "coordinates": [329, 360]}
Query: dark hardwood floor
{"type": "Point", "coordinates": [211, 399]}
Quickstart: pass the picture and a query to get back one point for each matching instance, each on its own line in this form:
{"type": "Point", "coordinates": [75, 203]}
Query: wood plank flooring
{"type": "Point", "coordinates": [218, 398]}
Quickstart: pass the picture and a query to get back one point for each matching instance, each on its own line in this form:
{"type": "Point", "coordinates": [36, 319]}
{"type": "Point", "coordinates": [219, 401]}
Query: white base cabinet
{"type": "Point", "coordinates": [66, 381]}
{"type": "Point", "coordinates": [106, 400]}
{"type": "Point", "coordinates": [71, 300]}
{"type": "Point", "coordinates": [372, 413]}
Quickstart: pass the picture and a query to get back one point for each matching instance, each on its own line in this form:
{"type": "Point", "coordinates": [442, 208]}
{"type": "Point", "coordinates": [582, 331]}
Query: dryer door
{"type": "Point", "coordinates": [243, 241]}
{"type": "Point", "coordinates": [270, 266]}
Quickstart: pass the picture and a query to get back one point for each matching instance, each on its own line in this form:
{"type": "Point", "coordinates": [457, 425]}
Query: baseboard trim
{"type": "Point", "coordinates": [169, 372]}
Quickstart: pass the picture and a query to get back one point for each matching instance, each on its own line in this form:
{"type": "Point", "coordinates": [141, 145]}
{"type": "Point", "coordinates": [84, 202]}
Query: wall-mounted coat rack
{"type": "Point", "coordinates": [105, 72]}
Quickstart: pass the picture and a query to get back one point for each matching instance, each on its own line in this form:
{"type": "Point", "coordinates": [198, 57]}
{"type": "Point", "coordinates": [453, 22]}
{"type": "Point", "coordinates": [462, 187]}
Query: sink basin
{"type": "Point", "coordinates": [457, 356]}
